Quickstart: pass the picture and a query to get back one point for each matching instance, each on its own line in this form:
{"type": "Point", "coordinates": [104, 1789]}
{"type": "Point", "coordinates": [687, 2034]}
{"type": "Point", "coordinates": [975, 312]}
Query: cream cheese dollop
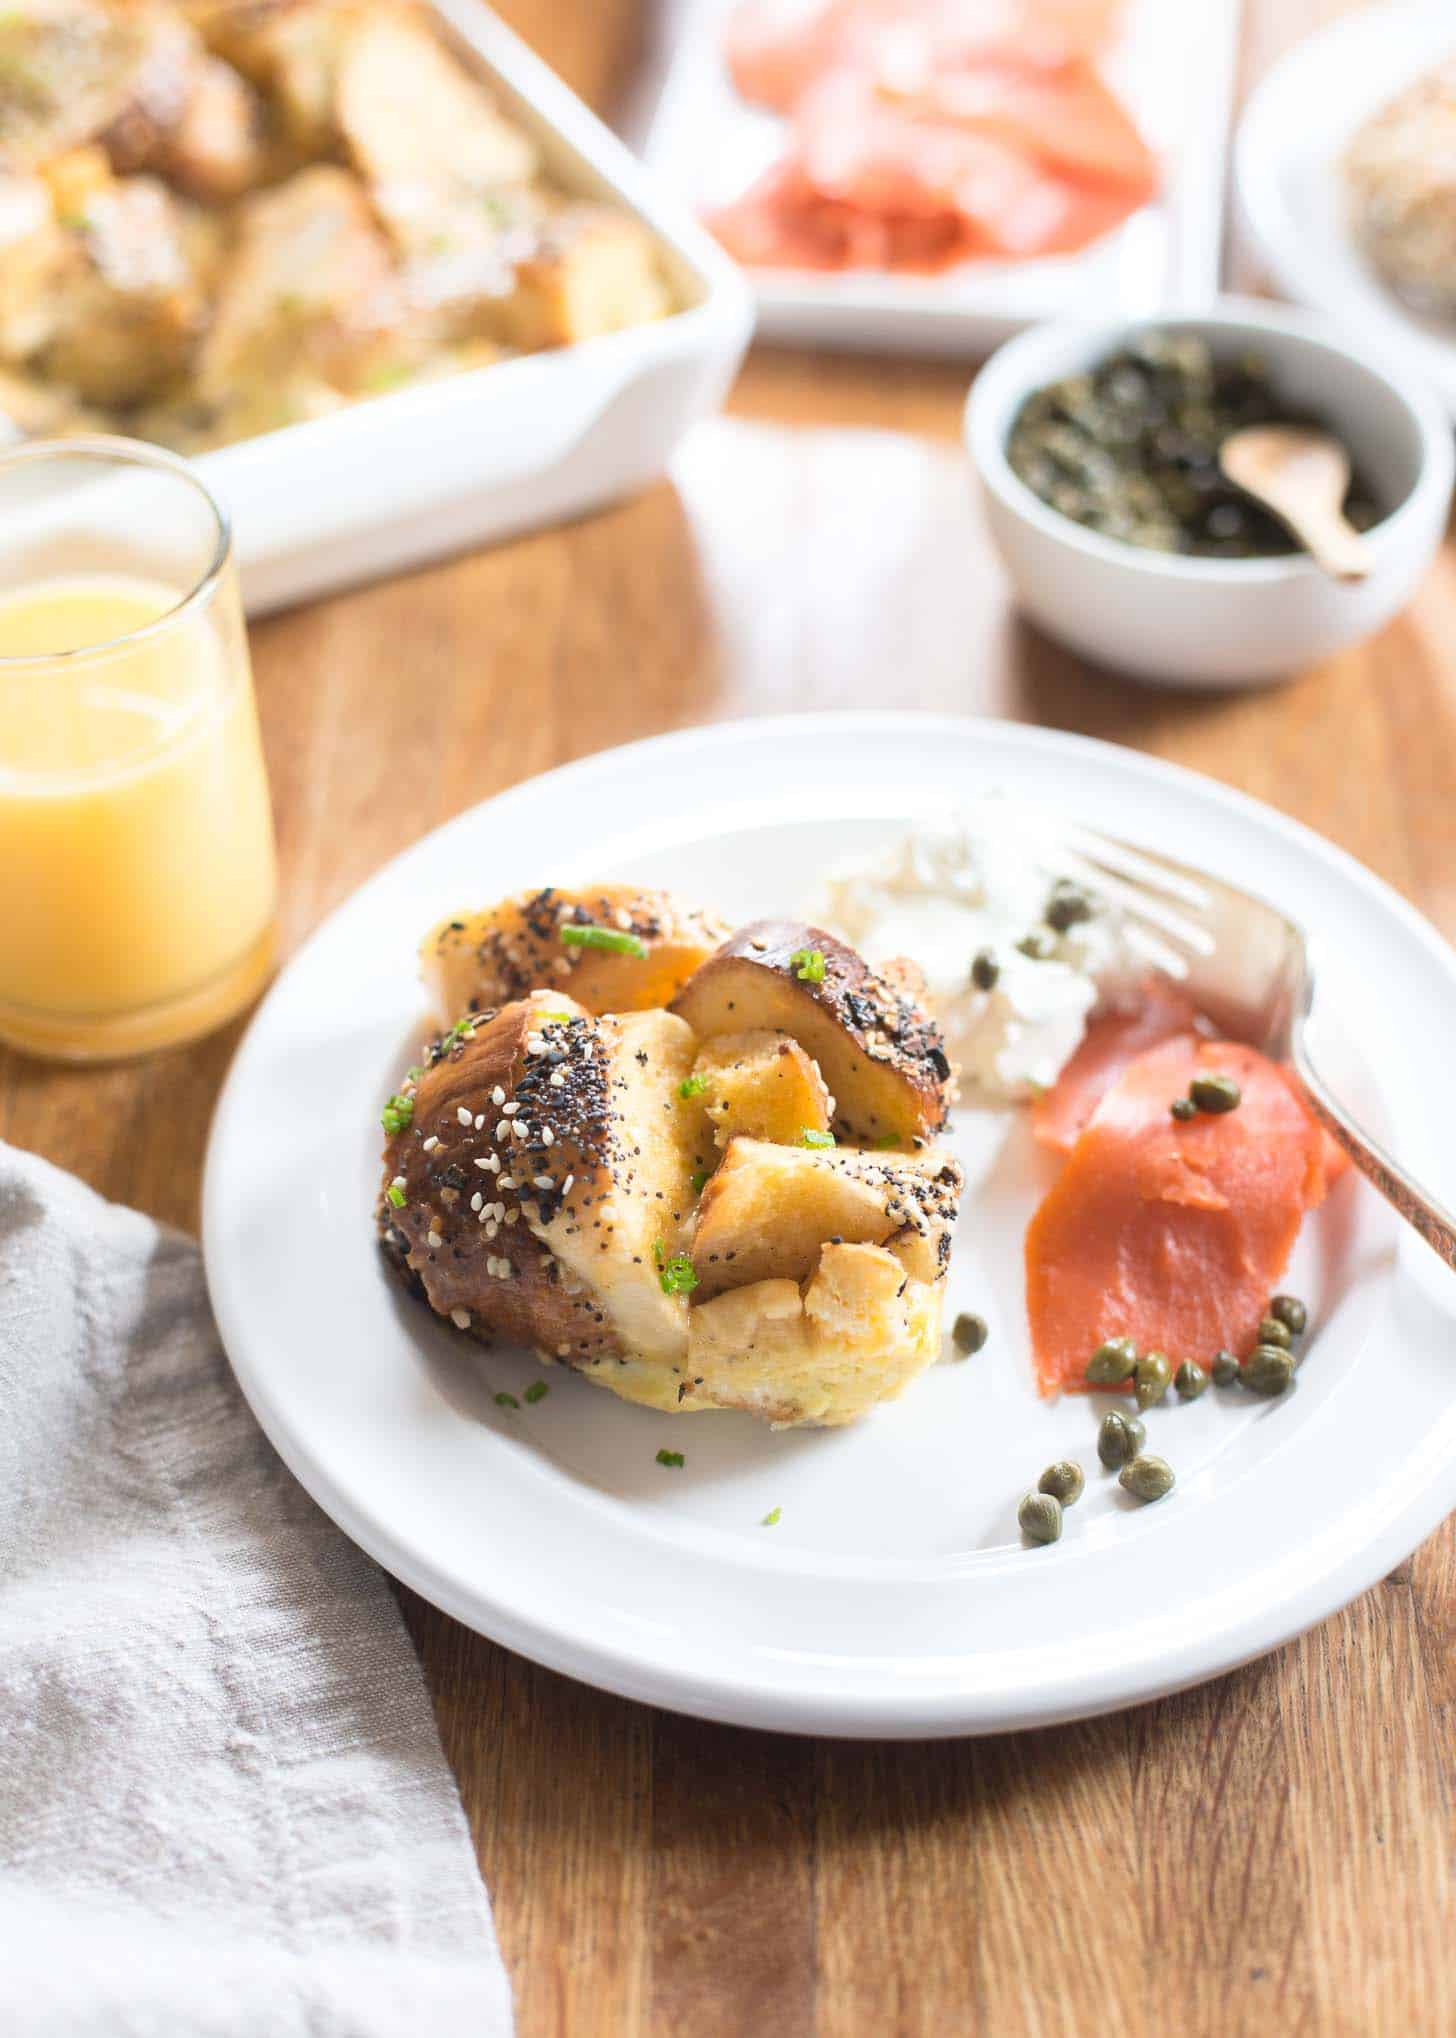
{"type": "Point", "coordinates": [979, 882]}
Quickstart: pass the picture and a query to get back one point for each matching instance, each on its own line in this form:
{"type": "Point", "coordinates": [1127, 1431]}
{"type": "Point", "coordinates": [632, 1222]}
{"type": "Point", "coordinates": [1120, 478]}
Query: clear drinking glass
{"type": "Point", "coordinates": [136, 837]}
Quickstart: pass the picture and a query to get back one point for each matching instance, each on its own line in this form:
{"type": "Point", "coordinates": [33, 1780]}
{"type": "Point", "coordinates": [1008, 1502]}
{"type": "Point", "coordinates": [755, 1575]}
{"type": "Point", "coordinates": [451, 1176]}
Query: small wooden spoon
{"type": "Point", "coordinates": [1302, 477]}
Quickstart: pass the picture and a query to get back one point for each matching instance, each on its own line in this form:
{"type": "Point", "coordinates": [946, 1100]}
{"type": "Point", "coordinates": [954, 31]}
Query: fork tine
{"type": "Point", "coordinates": [1141, 866]}
{"type": "Point", "coordinates": [1157, 916]}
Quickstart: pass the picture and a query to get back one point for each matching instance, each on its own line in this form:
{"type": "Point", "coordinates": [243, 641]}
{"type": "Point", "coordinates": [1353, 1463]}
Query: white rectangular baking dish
{"type": "Point", "coordinates": [407, 476]}
{"type": "Point", "coordinates": [1175, 71]}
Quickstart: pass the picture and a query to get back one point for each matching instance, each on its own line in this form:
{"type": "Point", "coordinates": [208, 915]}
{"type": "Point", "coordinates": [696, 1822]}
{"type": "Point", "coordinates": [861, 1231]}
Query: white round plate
{"type": "Point", "coordinates": [892, 1595]}
{"type": "Point", "coordinates": [1290, 144]}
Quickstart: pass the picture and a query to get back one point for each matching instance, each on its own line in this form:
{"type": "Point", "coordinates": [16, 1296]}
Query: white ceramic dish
{"type": "Point", "coordinates": [1292, 137]}
{"type": "Point", "coordinates": [1181, 622]}
{"type": "Point", "coordinates": [893, 1596]}
{"type": "Point", "coordinates": [407, 476]}
{"type": "Point", "coordinates": [1176, 74]}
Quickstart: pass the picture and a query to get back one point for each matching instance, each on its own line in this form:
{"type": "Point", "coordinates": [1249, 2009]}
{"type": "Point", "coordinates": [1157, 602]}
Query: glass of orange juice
{"type": "Point", "coordinates": [136, 837]}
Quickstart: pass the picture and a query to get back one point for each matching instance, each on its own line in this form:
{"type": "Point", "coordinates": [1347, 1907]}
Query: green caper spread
{"type": "Point", "coordinates": [1130, 449]}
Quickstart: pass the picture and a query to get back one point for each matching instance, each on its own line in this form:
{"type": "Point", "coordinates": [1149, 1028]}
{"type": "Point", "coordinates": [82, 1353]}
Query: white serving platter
{"type": "Point", "coordinates": [1291, 140]}
{"type": "Point", "coordinates": [892, 1596]}
{"type": "Point", "coordinates": [1175, 72]}
{"type": "Point", "coordinates": [418, 472]}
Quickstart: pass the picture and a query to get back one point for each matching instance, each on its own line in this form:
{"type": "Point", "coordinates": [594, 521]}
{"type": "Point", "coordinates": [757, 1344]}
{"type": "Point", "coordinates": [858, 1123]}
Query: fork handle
{"type": "Point", "coordinates": [1420, 1210]}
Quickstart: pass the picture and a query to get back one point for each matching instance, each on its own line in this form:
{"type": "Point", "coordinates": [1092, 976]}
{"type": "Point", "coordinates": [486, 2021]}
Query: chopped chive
{"type": "Point", "coordinates": [813, 1138]}
{"type": "Point", "coordinates": [677, 1276]}
{"type": "Point", "coordinates": [537, 1391]}
{"type": "Point", "coordinates": [610, 938]}
{"type": "Point", "coordinates": [692, 1086]}
{"type": "Point", "coordinates": [397, 1114]}
{"type": "Point", "coordinates": [413, 1075]}
{"type": "Point", "coordinates": [699, 1178]}
{"type": "Point", "coordinates": [659, 1251]}
{"type": "Point", "coordinates": [506, 1401]}
{"type": "Point", "coordinates": [808, 965]}
{"type": "Point", "coordinates": [670, 1458]}
{"type": "Point", "coordinates": [546, 1018]}
{"type": "Point", "coordinates": [396, 1195]}
{"type": "Point", "coordinates": [771, 1518]}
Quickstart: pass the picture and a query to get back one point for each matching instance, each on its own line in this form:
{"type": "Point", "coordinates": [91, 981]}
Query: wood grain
{"type": "Point", "coordinates": [1271, 1853]}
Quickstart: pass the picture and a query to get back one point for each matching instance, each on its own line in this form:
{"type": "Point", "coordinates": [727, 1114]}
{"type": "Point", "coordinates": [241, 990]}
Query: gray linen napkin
{"type": "Point", "coordinates": [223, 1805]}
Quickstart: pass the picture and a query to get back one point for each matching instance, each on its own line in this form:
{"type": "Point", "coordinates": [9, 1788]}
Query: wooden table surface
{"type": "Point", "coordinates": [1272, 1853]}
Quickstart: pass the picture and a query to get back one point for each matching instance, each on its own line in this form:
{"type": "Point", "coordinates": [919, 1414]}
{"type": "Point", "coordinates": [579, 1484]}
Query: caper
{"type": "Point", "coordinates": [1226, 1369]}
{"type": "Point", "coordinates": [985, 970]}
{"type": "Point", "coordinates": [1063, 1481]}
{"type": "Point", "coordinates": [1146, 1478]}
{"type": "Point", "coordinates": [1067, 905]}
{"type": "Point", "coordinates": [1273, 1332]}
{"type": "Point", "coordinates": [1116, 1441]}
{"type": "Point", "coordinates": [969, 1333]}
{"type": "Point", "coordinates": [1039, 945]}
{"type": "Point", "coordinates": [1216, 1092]}
{"type": "Point", "coordinates": [1291, 1312]}
{"type": "Point", "coordinates": [1190, 1380]}
{"type": "Point", "coordinates": [1183, 1108]}
{"type": "Point", "coordinates": [1040, 1517]}
{"type": "Point", "coordinates": [1268, 1370]}
{"type": "Point", "coordinates": [1112, 1362]}
{"type": "Point", "coordinates": [1154, 1376]}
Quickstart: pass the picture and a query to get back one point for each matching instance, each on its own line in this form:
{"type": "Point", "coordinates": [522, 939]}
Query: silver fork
{"type": "Point", "coordinates": [1249, 968]}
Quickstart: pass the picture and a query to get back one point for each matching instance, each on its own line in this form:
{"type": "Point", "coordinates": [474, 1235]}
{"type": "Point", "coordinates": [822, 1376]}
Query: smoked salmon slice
{"type": "Point", "coordinates": [1112, 1042]}
{"type": "Point", "coordinates": [1172, 1234]}
{"type": "Point", "coordinates": [777, 49]}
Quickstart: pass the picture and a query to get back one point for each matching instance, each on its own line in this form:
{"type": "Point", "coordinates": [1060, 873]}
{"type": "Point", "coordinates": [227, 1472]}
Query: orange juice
{"type": "Point", "coordinates": [135, 833]}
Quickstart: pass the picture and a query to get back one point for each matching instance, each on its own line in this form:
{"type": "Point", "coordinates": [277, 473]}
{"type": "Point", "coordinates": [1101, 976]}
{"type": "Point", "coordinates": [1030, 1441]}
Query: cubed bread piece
{"type": "Point", "coordinates": [537, 1186]}
{"type": "Point", "coordinates": [309, 296]}
{"type": "Point", "coordinates": [858, 1333]}
{"type": "Point", "coordinates": [217, 149]}
{"type": "Point", "coordinates": [35, 253]}
{"type": "Point", "coordinates": [589, 270]}
{"type": "Point", "coordinates": [78, 71]}
{"type": "Point", "coordinates": [128, 309]}
{"type": "Point", "coordinates": [880, 1052]}
{"type": "Point", "coordinates": [472, 961]}
{"type": "Point", "coordinates": [769, 1210]}
{"type": "Point", "coordinates": [421, 130]}
{"type": "Point", "coordinates": [763, 1085]}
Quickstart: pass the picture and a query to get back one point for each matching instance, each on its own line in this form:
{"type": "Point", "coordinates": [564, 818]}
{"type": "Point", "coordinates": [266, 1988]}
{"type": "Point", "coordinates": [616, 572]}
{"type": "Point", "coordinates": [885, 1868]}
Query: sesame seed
{"type": "Point", "coordinates": [492, 1163]}
{"type": "Point", "coordinates": [519, 1128]}
{"type": "Point", "coordinates": [434, 1241]}
{"type": "Point", "coordinates": [542, 1182]}
{"type": "Point", "coordinates": [480, 1121]}
{"type": "Point", "coordinates": [476, 1200]}
{"type": "Point", "coordinates": [510, 1110]}
{"type": "Point", "coordinates": [535, 1044]}
{"type": "Point", "coordinates": [463, 1115]}
{"type": "Point", "coordinates": [566, 1185]}
{"type": "Point", "coordinates": [484, 1160]}
{"type": "Point", "coordinates": [509, 1182]}
{"type": "Point", "coordinates": [492, 1228]}
{"type": "Point", "coordinates": [506, 1270]}
{"type": "Point", "coordinates": [497, 1095]}
{"type": "Point", "coordinates": [548, 1137]}
{"type": "Point", "coordinates": [557, 1080]}
{"type": "Point", "coordinates": [512, 1216]}
{"type": "Point", "coordinates": [431, 1143]}
{"type": "Point", "coordinates": [460, 1318]}
{"type": "Point", "coordinates": [623, 919]}
{"type": "Point", "coordinates": [503, 1128]}
{"type": "Point", "coordinates": [398, 1182]}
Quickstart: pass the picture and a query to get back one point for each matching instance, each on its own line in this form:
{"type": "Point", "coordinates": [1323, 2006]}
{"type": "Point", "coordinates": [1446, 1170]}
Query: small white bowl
{"type": "Point", "coordinates": [1184, 622]}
